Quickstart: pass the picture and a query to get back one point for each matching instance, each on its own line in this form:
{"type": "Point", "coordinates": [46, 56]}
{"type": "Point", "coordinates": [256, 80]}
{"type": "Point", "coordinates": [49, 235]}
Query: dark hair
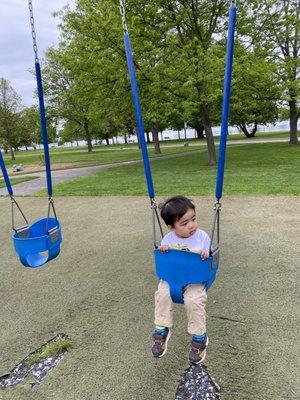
{"type": "Point", "coordinates": [174, 208]}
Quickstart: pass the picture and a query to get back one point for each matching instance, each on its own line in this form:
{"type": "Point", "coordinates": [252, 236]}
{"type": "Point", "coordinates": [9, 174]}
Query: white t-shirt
{"type": "Point", "coordinates": [199, 240]}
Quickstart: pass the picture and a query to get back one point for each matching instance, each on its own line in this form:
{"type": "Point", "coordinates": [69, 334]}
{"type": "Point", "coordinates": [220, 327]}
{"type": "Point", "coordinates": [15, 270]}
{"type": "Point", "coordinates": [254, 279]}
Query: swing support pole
{"type": "Point", "coordinates": [139, 121]}
{"type": "Point", "coordinates": [136, 103]}
{"type": "Point", "coordinates": [226, 100]}
{"type": "Point", "coordinates": [43, 120]}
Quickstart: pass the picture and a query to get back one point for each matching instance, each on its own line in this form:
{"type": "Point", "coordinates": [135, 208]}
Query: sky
{"type": "Point", "coordinates": [17, 56]}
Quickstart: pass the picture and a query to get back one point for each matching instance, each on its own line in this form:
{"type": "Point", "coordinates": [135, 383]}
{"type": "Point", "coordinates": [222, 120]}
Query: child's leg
{"type": "Point", "coordinates": [163, 306]}
{"type": "Point", "coordinates": [163, 319]}
{"type": "Point", "coordinates": [194, 301]}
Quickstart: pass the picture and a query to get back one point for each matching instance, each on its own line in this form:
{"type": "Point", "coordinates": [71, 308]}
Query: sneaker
{"type": "Point", "coordinates": [198, 351]}
{"type": "Point", "coordinates": [160, 344]}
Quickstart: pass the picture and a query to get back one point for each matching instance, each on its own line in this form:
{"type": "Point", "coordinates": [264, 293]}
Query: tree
{"type": "Point", "coordinates": [68, 99]}
{"type": "Point", "coordinates": [177, 45]}
{"type": "Point", "coordinates": [176, 65]}
{"type": "Point", "coordinates": [274, 26]}
{"type": "Point", "coordinates": [255, 91]}
{"type": "Point", "coordinates": [10, 107]}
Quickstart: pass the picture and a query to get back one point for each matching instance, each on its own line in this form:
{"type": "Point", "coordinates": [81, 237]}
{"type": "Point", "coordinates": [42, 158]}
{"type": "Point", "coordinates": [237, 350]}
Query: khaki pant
{"type": "Point", "coordinates": [194, 302]}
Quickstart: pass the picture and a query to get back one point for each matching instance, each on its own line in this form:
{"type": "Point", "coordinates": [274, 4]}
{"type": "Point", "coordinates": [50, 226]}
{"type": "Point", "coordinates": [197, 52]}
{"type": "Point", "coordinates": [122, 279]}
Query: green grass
{"type": "Point", "coordinates": [19, 179]}
{"type": "Point", "coordinates": [256, 169]}
{"type": "Point", "coordinates": [100, 155]}
{"type": "Point", "coordinates": [48, 350]}
{"type": "Point", "coordinates": [78, 156]}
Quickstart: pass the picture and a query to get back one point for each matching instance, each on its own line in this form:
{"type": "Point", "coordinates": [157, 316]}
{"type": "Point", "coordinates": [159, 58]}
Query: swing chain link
{"type": "Point", "coordinates": [216, 223]}
{"type": "Point", "coordinates": [14, 203]}
{"type": "Point", "coordinates": [217, 206]}
{"type": "Point", "coordinates": [51, 205]}
{"type": "Point", "coordinates": [123, 14]}
{"type": "Point", "coordinates": [35, 49]}
{"type": "Point", "coordinates": [155, 217]}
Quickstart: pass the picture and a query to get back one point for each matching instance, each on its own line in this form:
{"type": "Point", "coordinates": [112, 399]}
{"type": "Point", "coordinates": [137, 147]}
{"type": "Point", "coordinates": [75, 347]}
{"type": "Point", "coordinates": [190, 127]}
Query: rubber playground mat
{"type": "Point", "coordinates": [99, 292]}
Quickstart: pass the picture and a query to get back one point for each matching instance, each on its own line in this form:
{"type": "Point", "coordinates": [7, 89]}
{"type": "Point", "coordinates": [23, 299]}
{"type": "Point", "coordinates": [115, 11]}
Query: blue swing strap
{"type": "Point", "coordinates": [43, 120]}
{"type": "Point", "coordinates": [14, 203]}
{"type": "Point", "coordinates": [139, 123]}
{"type": "Point", "coordinates": [226, 99]}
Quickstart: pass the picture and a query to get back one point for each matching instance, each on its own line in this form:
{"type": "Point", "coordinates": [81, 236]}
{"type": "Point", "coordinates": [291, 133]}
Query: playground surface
{"type": "Point", "coordinates": [100, 291]}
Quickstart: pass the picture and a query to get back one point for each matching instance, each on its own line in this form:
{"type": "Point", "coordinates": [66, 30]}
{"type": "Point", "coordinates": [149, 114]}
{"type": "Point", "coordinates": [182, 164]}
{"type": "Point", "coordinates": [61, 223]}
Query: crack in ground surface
{"type": "Point", "coordinates": [197, 384]}
{"type": "Point", "coordinates": [35, 371]}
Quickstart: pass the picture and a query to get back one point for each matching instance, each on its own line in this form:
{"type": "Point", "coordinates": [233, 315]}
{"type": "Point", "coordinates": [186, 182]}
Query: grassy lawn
{"type": "Point", "coordinates": [116, 153]}
{"type": "Point", "coordinates": [20, 179]}
{"type": "Point", "coordinates": [100, 155]}
{"type": "Point", "coordinates": [256, 169]}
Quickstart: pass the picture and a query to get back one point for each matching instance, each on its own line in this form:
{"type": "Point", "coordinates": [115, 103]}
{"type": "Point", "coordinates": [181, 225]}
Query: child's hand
{"type": "Point", "coordinates": [203, 254]}
{"type": "Point", "coordinates": [163, 248]}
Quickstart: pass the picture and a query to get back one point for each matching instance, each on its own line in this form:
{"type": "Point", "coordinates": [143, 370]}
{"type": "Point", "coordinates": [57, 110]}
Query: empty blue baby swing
{"type": "Point", "coordinates": [177, 267]}
{"type": "Point", "coordinates": [40, 242]}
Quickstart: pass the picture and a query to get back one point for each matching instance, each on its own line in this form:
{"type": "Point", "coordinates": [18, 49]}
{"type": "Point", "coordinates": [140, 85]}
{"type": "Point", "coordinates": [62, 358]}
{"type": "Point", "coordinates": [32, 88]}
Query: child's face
{"type": "Point", "coordinates": [187, 225]}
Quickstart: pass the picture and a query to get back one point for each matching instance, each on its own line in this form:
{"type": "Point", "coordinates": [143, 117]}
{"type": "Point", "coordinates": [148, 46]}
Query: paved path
{"type": "Point", "coordinates": [58, 176]}
{"type": "Point", "coordinates": [29, 187]}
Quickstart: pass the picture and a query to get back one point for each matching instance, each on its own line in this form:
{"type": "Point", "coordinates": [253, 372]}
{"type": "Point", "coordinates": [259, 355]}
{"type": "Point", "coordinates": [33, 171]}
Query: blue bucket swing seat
{"type": "Point", "coordinates": [180, 268]}
{"type": "Point", "coordinates": [38, 243]}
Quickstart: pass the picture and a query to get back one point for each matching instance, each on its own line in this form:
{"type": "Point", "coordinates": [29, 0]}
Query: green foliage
{"type": "Point", "coordinates": [272, 28]}
{"type": "Point", "coordinates": [10, 107]}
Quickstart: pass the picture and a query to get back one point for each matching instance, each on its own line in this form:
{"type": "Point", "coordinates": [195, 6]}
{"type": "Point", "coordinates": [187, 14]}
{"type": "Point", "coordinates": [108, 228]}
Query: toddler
{"type": "Point", "coordinates": [179, 215]}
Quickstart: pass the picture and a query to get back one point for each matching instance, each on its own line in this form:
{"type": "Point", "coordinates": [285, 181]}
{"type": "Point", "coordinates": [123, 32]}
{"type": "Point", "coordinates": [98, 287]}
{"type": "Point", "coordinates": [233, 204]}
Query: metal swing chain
{"type": "Point", "coordinates": [50, 205]}
{"type": "Point", "coordinates": [216, 224]}
{"type": "Point", "coordinates": [35, 49]}
{"type": "Point", "coordinates": [14, 203]}
{"type": "Point", "coordinates": [123, 15]}
{"type": "Point", "coordinates": [155, 217]}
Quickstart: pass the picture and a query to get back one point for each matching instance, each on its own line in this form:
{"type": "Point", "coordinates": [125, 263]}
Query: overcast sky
{"type": "Point", "coordinates": [16, 52]}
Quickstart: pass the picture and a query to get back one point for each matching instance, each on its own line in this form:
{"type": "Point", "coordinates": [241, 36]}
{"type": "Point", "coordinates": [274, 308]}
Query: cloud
{"type": "Point", "coordinates": [17, 57]}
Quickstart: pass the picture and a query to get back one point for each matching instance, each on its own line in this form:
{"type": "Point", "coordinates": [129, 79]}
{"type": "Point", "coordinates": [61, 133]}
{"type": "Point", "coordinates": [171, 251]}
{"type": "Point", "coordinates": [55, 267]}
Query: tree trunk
{"type": "Point", "coordinates": [88, 137]}
{"type": "Point", "coordinates": [148, 137]}
{"type": "Point", "coordinates": [178, 131]}
{"type": "Point", "coordinates": [248, 134]}
{"type": "Point", "coordinates": [5, 149]}
{"type": "Point", "coordinates": [156, 140]}
{"type": "Point", "coordinates": [12, 154]}
{"type": "Point", "coordinates": [106, 137]}
{"type": "Point", "coordinates": [293, 122]}
{"type": "Point", "coordinates": [200, 132]}
{"type": "Point", "coordinates": [211, 150]}
{"type": "Point", "coordinates": [125, 138]}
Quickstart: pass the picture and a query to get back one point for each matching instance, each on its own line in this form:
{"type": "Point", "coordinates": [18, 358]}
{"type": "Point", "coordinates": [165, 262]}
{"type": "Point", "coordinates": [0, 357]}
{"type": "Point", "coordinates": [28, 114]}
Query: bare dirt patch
{"type": "Point", "coordinates": [27, 169]}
